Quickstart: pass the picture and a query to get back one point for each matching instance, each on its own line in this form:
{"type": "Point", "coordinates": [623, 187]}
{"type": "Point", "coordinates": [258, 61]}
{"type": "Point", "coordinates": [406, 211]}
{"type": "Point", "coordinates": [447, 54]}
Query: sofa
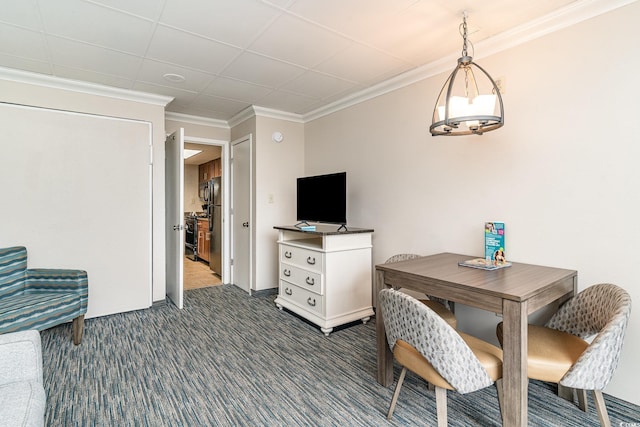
{"type": "Point", "coordinates": [40, 298]}
{"type": "Point", "coordinates": [22, 396]}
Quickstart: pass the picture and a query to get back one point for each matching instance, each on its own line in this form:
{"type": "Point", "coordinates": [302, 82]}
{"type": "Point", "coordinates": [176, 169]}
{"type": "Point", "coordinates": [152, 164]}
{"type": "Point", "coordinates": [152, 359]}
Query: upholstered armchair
{"type": "Point", "coordinates": [579, 347]}
{"type": "Point", "coordinates": [40, 298]}
{"type": "Point", "coordinates": [440, 306]}
{"type": "Point", "coordinates": [427, 345]}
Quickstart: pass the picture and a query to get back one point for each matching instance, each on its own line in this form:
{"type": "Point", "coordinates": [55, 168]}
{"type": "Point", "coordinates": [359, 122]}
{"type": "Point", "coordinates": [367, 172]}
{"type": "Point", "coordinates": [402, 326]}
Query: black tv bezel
{"type": "Point", "coordinates": [323, 220]}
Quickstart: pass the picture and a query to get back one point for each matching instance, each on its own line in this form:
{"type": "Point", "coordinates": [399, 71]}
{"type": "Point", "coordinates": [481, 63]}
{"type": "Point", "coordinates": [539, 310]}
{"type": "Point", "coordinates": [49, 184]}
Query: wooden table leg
{"type": "Point", "coordinates": [384, 355]}
{"type": "Point", "coordinates": [514, 368]}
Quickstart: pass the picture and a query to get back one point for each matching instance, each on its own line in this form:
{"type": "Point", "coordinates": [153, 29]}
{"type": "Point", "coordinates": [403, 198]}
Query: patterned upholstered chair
{"type": "Point", "coordinates": [558, 351]}
{"type": "Point", "coordinates": [40, 298]}
{"type": "Point", "coordinates": [425, 344]}
{"type": "Point", "coordinates": [440, 306]}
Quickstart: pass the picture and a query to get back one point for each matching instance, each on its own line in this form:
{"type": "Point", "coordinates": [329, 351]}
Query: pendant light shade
{"type": "Point", "coordinates": [470, 101]}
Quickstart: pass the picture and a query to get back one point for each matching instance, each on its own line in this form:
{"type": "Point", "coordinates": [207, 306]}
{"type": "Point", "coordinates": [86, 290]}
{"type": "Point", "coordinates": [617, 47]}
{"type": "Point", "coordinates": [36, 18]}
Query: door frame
{"type": "Point", "coordinates": [252, 226]}
{"type": "Point", "coordinates": [226, 233]}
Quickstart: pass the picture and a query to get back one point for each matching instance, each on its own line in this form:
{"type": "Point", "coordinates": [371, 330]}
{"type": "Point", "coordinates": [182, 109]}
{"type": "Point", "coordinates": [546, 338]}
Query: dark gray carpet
{"type": "Point", "coordinates": [229, 359]}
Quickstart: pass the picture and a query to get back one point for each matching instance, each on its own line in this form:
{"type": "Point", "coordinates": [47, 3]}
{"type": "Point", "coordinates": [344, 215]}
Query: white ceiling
{"type": "Point", "coordinates": [289, 55]}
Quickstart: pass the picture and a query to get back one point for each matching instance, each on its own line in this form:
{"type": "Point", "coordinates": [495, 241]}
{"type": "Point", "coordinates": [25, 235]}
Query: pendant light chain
{"type": "Point", "coordinates": [464, 35]}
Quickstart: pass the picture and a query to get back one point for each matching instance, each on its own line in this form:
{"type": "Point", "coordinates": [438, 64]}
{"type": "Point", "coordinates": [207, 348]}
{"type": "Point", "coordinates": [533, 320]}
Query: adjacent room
{"type": "Point", "coordinates": [179, 160]}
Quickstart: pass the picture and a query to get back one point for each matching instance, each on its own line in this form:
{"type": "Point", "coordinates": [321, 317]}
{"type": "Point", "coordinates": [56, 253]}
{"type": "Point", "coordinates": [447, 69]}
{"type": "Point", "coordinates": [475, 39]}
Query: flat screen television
{"type": "Point", "coordinates": [322, 198]}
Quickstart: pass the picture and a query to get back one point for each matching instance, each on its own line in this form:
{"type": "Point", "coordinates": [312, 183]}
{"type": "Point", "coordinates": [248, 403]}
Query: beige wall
{"type": "Point", "coordinates": [276, 166]}
{"type": "Point", "coordinates": [192, 202]}
{"type": "Point", "coordinates": [562, 173]}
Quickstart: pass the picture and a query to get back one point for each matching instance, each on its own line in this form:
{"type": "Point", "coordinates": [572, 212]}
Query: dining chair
{"type": "Point", "coordinates": [427, 345]}
{"type": "Point", "coordinates": [440, 306]}
{"type": "Point", "coordinates": [563, 352]}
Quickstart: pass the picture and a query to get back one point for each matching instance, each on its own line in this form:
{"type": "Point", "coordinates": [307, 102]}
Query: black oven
{"type": "Point", "coordinates": [191, 237]}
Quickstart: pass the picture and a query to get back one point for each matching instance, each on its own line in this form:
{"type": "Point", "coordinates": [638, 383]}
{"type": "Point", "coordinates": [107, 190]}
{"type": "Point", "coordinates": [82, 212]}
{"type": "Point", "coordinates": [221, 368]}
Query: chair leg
{"type": "Point", "coordinates": [500, 397]}
{"type": "Point", "coordinates": [601, 408]}
{"type": "Point", "coordinates": [396, 393]}
{"type": "Point", "coordinates": [77, 328]}
{"type": "Point", "coordinates": [582, 400]}
{"type": "Point", "coordinates": [441, 406]}
{"type": "Point", "coordinates": [565, 392]}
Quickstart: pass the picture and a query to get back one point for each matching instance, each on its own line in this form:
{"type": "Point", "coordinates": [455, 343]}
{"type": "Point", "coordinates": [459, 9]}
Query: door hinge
{"type": "Point", "coordinates": [231, 261]}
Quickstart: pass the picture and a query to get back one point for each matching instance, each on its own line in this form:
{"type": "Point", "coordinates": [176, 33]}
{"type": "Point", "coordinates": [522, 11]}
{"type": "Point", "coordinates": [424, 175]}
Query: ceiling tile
{"type": "Point", "coordinates": [150, 9]}
{"type": "Point", "coordinates": [73, 54]}
{"type": "Point", "coordinates": [153, 72]}
{"type": "Point", "coordinates": [25, 64]}
{"type": "Point", "coordinates": [373, 64]}
{"type": "Point", "coordinates": [27, 44]}
{"type": "Point", "coordinates": [354, 18]}
{"type": "Point", "coordinates": [93, 77]}
{"type": "Point", "coordinates": [299, 42]}
{"type": "Point", "coordinates": [318, 85]}
{"type": "Point", "coordinates": [409, 34]}
{"type": "Point", "coordinates": [178, 47]}
{"type": "Point", "coordinates": [21, 12]}
{"type": "Point", "coordinates": [90, 23]}
{"type": "Point", "coordinates": [236, 22]}
{"type": "Point", "coordinates": [235, 89]}
{"type": "Point", "coordinates": [260, 70]}
{"type": "Point", "coordinates": [218, 104]}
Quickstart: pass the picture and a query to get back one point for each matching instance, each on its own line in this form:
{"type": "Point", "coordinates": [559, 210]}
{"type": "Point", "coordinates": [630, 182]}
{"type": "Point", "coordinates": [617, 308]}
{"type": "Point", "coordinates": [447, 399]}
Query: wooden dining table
{"type": "Point", "coordinates": [513, 292]}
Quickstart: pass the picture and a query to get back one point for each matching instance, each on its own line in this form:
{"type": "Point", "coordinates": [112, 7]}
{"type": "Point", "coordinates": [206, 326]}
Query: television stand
{"type": "Point", "coordinates": [325, 276]}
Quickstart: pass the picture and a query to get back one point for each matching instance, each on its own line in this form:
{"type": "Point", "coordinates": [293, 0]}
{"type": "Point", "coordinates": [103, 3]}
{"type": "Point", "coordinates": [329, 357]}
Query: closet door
{"type": "Point", "coordinates": [76, 191]}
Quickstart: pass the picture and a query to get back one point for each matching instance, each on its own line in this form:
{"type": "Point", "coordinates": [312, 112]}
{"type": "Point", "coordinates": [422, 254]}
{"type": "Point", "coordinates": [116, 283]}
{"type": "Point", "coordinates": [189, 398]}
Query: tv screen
{"type": "Point", "coordinates": [322, 198]}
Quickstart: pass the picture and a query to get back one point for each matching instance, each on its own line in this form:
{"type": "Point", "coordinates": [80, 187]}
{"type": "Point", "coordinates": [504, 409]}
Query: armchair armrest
{"type": "Point", "coordinates": [20, 357]}
{"type": "Point", "coordinates": [58, 280]}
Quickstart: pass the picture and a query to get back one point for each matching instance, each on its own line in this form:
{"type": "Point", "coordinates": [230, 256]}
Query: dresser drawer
{"type": "Point", "coordinates": [306, 279]}
{"type": "Point", "coordinates": [301, 297]}
{"type": "Point", "coordinates": [309, 259]}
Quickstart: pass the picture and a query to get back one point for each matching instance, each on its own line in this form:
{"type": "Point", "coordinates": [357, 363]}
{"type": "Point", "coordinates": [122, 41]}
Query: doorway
{"type": "Point", "coordinates": [203, 211]}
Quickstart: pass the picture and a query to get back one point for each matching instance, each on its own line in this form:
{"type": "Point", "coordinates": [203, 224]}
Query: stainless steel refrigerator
{"type": "Point", "coordinates": [214, 211]}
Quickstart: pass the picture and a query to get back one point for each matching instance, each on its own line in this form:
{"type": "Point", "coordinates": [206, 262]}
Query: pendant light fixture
{"type": "Point", "coordinates": [469, 103]}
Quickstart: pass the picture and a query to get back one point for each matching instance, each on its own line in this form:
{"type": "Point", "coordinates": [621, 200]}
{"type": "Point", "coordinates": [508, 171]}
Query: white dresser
{"type": "Point", "coordinates": [325, 275]}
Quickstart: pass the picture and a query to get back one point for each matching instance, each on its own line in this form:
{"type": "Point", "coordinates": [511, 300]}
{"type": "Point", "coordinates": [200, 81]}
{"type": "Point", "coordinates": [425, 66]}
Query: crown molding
{"type": "Point", "coordinates": [567, 16]}
{"type": "Point", "coordinates": [196, 120]}
{"type": "Point", "coordinates": [257, 111]}
{"type": "Point", "coordinates": [53, 82]}
{"type": "Point", "coordinates": [277, 114]}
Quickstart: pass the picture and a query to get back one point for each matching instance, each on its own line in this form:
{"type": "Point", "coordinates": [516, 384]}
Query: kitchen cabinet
{"type": "Point", "coordinates": [203, 173]}
{"type": "Point", "coordinates": [209, 170]}
{"type": "Point", "coordinates": [325, 275]}
{"type": "Point", "coordinates": [216, 168]}
{"type": "Point", "coordinates": [204, 239]}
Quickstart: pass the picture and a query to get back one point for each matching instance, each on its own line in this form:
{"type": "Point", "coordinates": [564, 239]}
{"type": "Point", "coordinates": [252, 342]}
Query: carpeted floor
{"type": "Point", "coordinates": [228, 359]}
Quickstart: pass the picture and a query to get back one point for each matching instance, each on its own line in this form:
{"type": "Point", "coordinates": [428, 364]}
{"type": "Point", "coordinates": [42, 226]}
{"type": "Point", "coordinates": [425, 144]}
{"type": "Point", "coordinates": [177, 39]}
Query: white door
{"type": "Point", "coordinates": [174, 202]}
{"type": "Point", "coordinates": [241, 218]}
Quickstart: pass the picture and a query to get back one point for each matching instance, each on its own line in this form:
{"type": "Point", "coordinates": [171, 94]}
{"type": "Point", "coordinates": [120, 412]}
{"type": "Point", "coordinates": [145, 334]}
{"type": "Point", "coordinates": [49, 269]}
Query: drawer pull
{"type": "Point", "coordinates": [288, 291]}
{"type": "Point", "coordinates": [311, 260]}
{"type": "Point", "coordinates": [311, 281]}
{"type": "Point", "coordinates": [287, 254]}
{"type": "Point", "coordinates": [311, 302]}
{"type": "Point", "coordinates": [287, 272]}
